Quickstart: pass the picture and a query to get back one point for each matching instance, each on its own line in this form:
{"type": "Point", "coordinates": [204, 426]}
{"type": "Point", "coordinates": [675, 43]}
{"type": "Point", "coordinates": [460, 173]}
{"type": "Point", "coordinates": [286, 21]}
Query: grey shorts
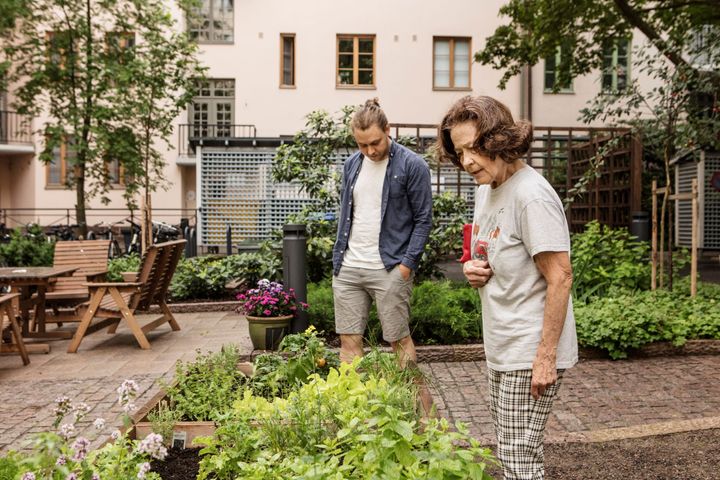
{"type": "Point", "coordinates": [354, 289]}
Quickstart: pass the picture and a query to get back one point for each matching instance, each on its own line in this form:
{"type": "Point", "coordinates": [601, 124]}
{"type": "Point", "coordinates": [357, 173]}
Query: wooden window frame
{"type": "Point", "coordinates": [63, 169]}
{"type": "Point", "coordinates": [120, 184]}
{"type": "Point", "coordinates": [613, 90]}
{"type": "Point", "coordinates": [452, 86]}
{"type": "Point", "coordinates": [355, 37]}
{"type": "Point", "coordinates": [558, 59]}
{"type": "Point", "coordinates": [293, 85]}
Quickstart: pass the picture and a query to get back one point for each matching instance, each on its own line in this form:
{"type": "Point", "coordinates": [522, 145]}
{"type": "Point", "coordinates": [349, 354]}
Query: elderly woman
{"type": "Point", "coordinates": [521, 267]}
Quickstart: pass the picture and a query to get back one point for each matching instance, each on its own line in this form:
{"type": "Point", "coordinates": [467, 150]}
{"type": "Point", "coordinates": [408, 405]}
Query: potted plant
{"type": "Point", "coordinates": [269, 309]}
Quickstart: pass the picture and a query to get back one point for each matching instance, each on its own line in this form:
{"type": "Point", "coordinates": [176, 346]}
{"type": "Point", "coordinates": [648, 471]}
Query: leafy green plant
{"type": "Point", "coordinates": [445, 312]}
{"type": "Point", "coordinates": [605, 258]}
{"type": "Point", "coordinates": [118, 265]}
{"type": "Point", "coordinates": [440, 312]}
{"type": "Point", "coordinates": [349, 425]}
{"type": "Point", "coordinates": [163, 420]}
{"type": "Point", "coordinates": [299, 356]}
{"type": "Point", "coordinates": [626, 321]}
{"type": "Point", "coordinates": [311, 157]}
{"type": "Point", "coordinates": [9, 468]}
{"type": "Point", "coordinates": [207, 277]}
{"type": "Point", "coordinates": [63, 455]}
{"type": "Point", "coordinates": [27, 250]}
{"type": "Point", "coordinates": [205, 387]}
{"type": "Point", "coordinates": [449, 216]}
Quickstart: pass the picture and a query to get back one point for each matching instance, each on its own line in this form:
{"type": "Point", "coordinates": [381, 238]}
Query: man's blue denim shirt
{"type": "Point", "coordinates": [406, 208]}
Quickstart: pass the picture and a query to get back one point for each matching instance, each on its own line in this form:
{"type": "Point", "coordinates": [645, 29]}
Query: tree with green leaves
{"type": "Point", "coordinates": [677, 110]}
{"type": "Point", "coordinates": [110, 76]}
{"type": "Point", "coordinates": [537, 28]}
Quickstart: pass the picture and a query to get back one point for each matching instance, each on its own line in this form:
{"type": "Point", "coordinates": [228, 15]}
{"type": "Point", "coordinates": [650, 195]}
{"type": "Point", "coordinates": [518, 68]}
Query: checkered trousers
{"type": "Point", "coordinates": [519, 422]}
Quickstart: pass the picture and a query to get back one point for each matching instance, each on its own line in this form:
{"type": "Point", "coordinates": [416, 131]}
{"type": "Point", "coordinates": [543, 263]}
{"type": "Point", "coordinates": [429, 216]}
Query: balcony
{"type": "Point", "coordinates": [191, 136]}
{"type": "Point", "coordinates": [15, 133]}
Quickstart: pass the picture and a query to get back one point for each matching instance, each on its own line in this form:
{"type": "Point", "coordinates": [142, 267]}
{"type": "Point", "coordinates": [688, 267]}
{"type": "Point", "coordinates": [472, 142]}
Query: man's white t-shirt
{"type": "Point", "coordinates": [363, 250]}
{"type": "Point", "coordinates": [521, 217]}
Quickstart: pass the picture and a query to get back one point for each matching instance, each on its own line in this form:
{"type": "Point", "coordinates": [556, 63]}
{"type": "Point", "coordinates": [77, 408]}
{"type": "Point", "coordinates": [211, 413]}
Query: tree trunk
{"type": "Point", "coordinates": [80, 200]}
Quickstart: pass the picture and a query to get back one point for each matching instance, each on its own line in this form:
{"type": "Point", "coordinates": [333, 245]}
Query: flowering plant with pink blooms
{"type": "Point", "coordinates": [269, 299]}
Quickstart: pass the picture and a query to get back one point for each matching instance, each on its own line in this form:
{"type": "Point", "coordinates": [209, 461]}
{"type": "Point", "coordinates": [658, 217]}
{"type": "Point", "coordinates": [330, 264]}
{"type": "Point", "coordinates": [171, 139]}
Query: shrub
{"type": "Point", "coordinates": [440, 312]}
{"type": "Point", "coordinates": [445, 312]}
{"type": "Point", "coordinates": [321, 309]}
{"type": "Point", "coordinates": [625, 322]}
{"type": "Point", "coordinates": [206, 277]}
{"type": "Point", "coordinates": [118, 265]}
{"type": "Point", "coordinates": [446, 236]}
{"type": "Point", "coordinates": [27, 250]}
{"type": "Point", "coordinates": [605, 259]}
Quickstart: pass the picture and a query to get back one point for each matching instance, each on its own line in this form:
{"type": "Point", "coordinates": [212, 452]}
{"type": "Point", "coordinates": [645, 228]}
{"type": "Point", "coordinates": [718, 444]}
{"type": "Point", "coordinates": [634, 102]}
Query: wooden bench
{"type": "Point", "coordinates": [114, 302]}
{"type": "Point", "coordinates": [91, 259]}
{"type": "Point", "coordinates": [6, 309]}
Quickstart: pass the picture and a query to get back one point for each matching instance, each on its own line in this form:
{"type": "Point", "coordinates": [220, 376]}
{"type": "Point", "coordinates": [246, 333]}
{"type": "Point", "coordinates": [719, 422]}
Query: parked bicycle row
{"type": "Point", "coordinates": [124, 235]}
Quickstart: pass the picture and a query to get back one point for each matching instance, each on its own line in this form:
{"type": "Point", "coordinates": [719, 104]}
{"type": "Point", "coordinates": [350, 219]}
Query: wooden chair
{"type": "Point", "coordinates": [116, 301]}
{"type": "Point", "coordinates": [91, 258]}
{"type": "Point", "coordinates": [7, 309]}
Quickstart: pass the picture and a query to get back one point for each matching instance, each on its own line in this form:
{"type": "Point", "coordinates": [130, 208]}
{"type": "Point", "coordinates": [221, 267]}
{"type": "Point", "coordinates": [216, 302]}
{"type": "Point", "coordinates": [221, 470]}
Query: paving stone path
{"type": "Point", "coordinates": [599, 399]}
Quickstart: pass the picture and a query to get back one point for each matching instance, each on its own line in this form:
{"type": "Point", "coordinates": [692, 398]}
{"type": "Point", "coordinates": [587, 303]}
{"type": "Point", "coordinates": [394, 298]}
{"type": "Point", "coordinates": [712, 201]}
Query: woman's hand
{"type": "Point", "coordinates": [478, 272]}
{"type": "Point", "coordinates": [544, 371]}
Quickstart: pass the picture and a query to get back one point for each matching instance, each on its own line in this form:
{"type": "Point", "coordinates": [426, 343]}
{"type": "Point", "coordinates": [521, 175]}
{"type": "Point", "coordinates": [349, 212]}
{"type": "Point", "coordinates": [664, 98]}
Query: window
{"type": "Point", "coordinates": [355, 61]}
{"type": "Point", "coordinates": [287, 60]}
{"type": "Point", "coordinates": [451, 63]}
{"type": "Point", "coordinates": [213, 22]}
{"type": "Point", "coordinates": [704, 47]}
{"type": "Point", "coordinates": [552, 71]}
{"type": "Point", "coordinates": [616, 66]}
{"type": "Point", "coordinates": [60, 169]}
{"type": "Point", "coordinates": [61, 48]}
{"type": "Point", "coordinates": [212, 109]}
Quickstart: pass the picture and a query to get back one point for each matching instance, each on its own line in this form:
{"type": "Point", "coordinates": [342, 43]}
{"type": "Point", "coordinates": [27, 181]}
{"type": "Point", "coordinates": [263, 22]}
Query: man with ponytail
{"type": "Point", "coordinates": [385, 221]}
{"type": "Point", "coordinates": [521, 267]}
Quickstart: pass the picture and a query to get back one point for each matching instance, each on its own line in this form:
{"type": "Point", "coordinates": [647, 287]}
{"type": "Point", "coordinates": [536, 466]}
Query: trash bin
{"type": "Point", "coordinates": [640, 226]}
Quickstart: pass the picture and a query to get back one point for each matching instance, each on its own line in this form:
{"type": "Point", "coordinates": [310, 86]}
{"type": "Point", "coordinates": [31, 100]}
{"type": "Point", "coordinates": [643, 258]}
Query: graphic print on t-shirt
{"type": "Point", "coordinates": [484, 243]}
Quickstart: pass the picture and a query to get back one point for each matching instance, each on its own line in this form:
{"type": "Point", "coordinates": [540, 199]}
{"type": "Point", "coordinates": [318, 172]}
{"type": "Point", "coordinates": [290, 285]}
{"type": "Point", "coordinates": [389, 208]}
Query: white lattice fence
{"type": "Point", "coordinates": [236, 190]}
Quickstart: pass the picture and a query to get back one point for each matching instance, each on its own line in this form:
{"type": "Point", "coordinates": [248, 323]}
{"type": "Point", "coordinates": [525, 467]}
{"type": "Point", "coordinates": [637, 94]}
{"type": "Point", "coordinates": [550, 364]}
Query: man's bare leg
{"type": "Point", "coordinates": [407, 357]}
{"type": "Point", "coordinates": [405, 350]}
{"type": "Point", "coordinates": [351, 346]}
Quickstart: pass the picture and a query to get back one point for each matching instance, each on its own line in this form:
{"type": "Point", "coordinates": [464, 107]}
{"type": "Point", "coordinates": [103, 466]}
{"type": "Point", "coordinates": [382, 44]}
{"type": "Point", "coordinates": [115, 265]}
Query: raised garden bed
{"type": "Point", "coordinates": [184, 432]}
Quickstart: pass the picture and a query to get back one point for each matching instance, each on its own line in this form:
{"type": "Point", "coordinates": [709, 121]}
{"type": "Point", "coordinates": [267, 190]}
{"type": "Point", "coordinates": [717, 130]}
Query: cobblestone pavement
{"type": "Point", "coordinates": [93, 374]}
{"type": "Point", "coordinates": [599, 399]}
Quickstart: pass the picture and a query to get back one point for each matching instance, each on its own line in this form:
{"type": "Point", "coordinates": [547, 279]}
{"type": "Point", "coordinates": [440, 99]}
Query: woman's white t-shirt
{"type": "Point", "coordinates": [513, 222]}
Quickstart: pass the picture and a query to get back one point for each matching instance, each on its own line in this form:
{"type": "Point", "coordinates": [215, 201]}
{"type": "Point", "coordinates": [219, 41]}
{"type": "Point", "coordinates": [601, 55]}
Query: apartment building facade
{"type": "Point", "coordinates": [271, 62]}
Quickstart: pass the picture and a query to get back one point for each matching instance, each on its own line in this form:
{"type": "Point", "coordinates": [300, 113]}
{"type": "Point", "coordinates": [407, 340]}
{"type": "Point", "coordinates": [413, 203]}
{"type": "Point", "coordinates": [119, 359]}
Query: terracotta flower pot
{"type": "Point", "coordinates": [267, 332]}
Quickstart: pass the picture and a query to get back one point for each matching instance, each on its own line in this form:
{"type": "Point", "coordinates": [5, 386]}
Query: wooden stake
{"type": "Point", "coordinates": [694, 255]}
{"type": "Point", "coordinates": [653, 259]}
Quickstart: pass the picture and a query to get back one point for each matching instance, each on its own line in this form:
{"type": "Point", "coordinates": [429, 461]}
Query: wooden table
{"type": "Point", "coordinates": [29, 280]}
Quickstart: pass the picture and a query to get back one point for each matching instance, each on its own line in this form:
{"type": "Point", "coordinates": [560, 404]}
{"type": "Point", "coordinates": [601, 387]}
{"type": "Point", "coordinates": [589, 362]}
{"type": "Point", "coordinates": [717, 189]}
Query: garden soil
{"type": "Point", "coordinates": [688, 456]}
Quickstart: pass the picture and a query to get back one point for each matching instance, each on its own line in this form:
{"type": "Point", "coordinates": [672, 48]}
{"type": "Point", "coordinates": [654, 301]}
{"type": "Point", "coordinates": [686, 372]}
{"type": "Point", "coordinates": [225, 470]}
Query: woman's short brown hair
{"type": "Point", "coordinates": [368, 115]}
{"type": "Point", "coordinates": [498, 135]}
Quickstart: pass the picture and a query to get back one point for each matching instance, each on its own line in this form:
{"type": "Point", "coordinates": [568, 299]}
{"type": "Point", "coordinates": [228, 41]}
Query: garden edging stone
{"type": "Point", "coordinates": [476, 351]}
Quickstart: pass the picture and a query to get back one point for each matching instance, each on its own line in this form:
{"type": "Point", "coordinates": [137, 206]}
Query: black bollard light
{"type": "Point", "coordinates": [294, 245]}
{"type": "Point", "coordinates": [228, 240]}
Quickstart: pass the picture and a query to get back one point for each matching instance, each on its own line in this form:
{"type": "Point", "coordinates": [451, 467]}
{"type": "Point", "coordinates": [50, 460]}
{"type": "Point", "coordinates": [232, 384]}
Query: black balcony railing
{"type": "Point", "coordinates": [15, 128]}
{"type": "Point", "coordinates": [192, 135]}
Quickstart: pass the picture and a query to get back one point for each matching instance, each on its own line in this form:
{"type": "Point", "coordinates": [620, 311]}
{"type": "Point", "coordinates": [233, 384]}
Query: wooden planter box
{"type": "Point", "coordinates": [184, 433]}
